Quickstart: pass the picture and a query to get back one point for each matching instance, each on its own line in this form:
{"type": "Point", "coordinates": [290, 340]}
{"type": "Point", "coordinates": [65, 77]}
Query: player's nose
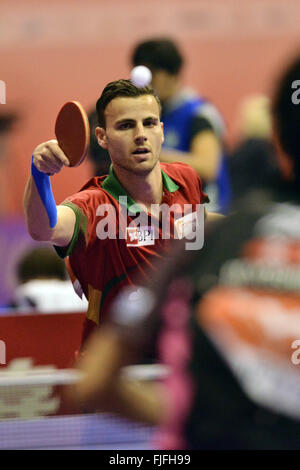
{"type": "Point", "coordinates": [140, 135]}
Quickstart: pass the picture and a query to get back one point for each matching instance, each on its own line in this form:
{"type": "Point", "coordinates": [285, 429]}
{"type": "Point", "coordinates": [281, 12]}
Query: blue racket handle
{"type": "Point", "coordinates": [43, 184]}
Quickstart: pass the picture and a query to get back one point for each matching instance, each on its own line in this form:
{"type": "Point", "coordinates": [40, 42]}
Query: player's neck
{"type": "Point", "coordinates": [144, 189]}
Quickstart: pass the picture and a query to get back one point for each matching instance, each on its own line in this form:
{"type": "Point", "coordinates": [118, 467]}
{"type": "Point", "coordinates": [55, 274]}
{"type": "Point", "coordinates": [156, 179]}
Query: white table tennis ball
{"type": "Point", "coordinates": [141, 76]}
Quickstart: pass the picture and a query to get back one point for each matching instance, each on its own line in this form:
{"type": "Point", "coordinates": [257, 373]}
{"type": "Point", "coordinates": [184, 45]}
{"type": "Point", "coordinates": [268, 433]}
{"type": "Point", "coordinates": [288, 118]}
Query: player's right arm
{"type": "Point", "coordinates": [48, 158]}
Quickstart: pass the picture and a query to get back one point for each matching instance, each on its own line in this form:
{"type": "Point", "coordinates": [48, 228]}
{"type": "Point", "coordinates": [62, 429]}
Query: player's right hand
{"type": "Point", "coordinates": [49, 158]}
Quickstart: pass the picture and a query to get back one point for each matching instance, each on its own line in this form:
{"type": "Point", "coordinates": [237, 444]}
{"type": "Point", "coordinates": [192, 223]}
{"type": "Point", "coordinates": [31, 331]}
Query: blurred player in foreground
{"type": "Point", "coordinates": [112, 229]}
{"type": "Point", "coordinates": [194, 129]}
{"type": "Point", "coordinates": [228, 327]}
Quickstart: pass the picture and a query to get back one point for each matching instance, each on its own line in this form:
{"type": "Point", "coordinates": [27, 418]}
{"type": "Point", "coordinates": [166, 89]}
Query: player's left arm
{"type": "Point", "coordinates": [206, 133]}
{"type": "Point", "coordinates": [103, 388]}
{"type": "Point", "coordinates": [205, 154]}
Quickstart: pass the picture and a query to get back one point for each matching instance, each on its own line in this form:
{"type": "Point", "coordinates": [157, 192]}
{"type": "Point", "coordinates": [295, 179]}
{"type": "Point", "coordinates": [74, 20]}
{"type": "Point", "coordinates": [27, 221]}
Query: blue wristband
{"type": "Point", "coordinates": [42, 182]}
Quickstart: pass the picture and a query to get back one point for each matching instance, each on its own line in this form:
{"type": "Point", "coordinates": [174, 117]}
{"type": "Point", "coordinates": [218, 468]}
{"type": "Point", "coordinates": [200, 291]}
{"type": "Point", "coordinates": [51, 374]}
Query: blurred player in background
{"type": "Point", "coordinates": [7, 121]}
{"type": "Point", "coordinates": [194, 129]}
{"type": "Point", "coordinates": [254, 150]}
{"type": "Point", "coordinates": [228, 327]}
{"type": "Point", "coordinates": [107, 244]}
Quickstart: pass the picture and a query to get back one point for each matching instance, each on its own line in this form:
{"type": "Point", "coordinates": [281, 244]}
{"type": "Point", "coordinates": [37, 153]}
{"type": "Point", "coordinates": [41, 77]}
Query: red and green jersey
{"type": "Point", "coordinates": [110, 247]}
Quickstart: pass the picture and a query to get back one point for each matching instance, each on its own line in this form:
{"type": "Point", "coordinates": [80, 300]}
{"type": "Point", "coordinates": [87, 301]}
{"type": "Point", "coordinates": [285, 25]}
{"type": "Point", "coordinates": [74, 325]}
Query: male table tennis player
{"type": "Point", "coordinates": [131, 130]}
{"type": "Point", "coordinates": [194, 128]}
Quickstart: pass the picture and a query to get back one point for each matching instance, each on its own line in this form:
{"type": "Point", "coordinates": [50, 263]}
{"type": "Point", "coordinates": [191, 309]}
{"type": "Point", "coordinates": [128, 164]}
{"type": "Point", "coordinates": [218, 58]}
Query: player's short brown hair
{"type": "Point", "coordinates": [121, 88]}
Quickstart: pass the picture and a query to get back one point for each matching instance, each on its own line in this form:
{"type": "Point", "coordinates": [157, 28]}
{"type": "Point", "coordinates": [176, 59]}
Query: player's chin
{"type": "Point", "coordinates": [143, 159]}
{"type": "Point", "coordinates": [144, 167]}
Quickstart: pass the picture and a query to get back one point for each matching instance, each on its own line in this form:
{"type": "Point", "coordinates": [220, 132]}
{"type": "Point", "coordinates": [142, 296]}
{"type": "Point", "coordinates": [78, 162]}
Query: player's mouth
{"type": "Point", "coordinates": [141, 151]}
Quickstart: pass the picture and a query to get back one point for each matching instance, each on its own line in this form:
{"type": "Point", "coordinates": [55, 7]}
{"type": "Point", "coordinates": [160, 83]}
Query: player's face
{"type": "Point", "coordinates": [133, 134]}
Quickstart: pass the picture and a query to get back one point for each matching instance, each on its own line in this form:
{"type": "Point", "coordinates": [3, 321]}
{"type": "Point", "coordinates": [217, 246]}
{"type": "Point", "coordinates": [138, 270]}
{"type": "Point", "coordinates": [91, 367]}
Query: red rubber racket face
{"type": "Point", "coordinates": [73, 132]}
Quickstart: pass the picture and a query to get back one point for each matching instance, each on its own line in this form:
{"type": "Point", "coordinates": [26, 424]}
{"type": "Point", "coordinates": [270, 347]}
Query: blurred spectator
{"type": "Point", "coordinates": [253, 163]}
{"type": "Point", "coordinates": [6, 123]}
{"type": "Point", "coordinates": [98, 156]}
{"type": "Point", "coordinates": [7, 120]}
{"type": "Point", "coordinates": [43, 285]}
{"type": "Point", "coordinates": [193, 127]}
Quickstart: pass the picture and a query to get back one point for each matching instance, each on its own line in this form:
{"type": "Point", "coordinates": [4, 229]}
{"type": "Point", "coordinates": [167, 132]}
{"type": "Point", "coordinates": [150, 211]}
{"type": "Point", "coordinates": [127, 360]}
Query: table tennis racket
{"type": "Point", "coordinates": [73, 132]}
{"type": "Point", "coordinates": [73, 135]}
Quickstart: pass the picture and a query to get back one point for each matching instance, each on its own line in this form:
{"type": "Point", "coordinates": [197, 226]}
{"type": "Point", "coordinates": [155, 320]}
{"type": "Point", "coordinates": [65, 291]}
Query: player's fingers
{"type": "Point", "coordinates": [49, 158]}
{"type": "Point", "coordinates": [51, 152]}
{"type": "Point", "coordinates": [57, 151]}
{"type": "Point", "coordinates": [46, 165]}
{"type": "Point", "coordinates": [45, 161]}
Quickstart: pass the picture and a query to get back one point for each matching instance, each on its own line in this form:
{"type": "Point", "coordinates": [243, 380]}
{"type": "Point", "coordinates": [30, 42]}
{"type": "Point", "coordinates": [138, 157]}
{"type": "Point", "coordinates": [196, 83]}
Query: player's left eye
{"type": "Point", "coordinates": [151, 122]}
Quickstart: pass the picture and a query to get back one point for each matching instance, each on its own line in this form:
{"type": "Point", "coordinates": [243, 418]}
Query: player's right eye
{"type": "Point", "coordinates": [124, 126]}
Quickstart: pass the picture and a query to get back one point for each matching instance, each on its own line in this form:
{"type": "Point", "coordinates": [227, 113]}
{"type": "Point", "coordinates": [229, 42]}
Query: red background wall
{"type": "Point", "coordinates": [55, 51]}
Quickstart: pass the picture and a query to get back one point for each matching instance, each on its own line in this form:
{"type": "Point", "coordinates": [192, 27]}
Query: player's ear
{"type": "Point", "coordinates": [101, 137]}
{"type": "Point", "coordinates": [162, 129]}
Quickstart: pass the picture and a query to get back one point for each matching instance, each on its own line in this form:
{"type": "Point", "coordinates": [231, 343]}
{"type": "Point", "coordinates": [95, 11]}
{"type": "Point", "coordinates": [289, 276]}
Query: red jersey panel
{"type": "Point", "coordinates": [115, 243]}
